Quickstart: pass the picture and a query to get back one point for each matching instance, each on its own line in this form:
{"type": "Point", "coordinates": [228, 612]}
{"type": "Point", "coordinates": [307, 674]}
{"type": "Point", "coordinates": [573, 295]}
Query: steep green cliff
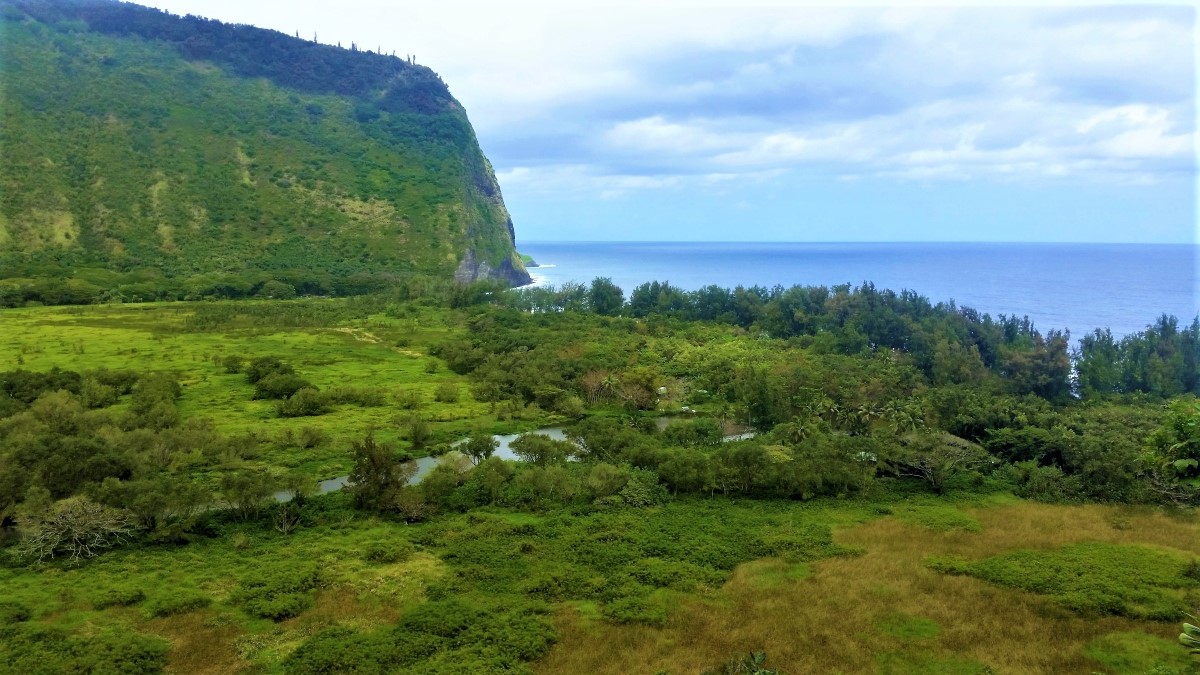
{"type": "Point", "coordinates": [143, 150]}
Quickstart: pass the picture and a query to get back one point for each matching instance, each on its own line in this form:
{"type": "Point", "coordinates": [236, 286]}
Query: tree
{"type": "Point", "coordinates": [1173, 460]}
{"type": "Point", "coordinates": [479, 446]}
{"type": "Point", "coordinates": [937, 458]}
{"type": "Point", "coordinates": [541, 450]}
{"type": "Point", "coordinates": [245, 490]}
{"type": "Point", "coordinates": [78, 527]}
{"type": "Point", "coordinates": [378, 475]}
{"type": "Point", "coordinates": [605, 297]}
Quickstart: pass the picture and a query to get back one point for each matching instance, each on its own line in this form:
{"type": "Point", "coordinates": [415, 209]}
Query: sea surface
{"type": "Point", "coordinates": [1077, 287]}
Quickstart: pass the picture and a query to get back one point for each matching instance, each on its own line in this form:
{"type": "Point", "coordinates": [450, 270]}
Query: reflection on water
{"type": "Point", "coordinates": [503, 451]}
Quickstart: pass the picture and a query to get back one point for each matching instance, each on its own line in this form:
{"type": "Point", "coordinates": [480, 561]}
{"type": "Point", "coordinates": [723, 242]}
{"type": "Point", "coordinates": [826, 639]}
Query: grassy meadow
{"type": "Point", "coordinates": [887, 579]}
{"type": "Point", "coordinates": [352, 347]}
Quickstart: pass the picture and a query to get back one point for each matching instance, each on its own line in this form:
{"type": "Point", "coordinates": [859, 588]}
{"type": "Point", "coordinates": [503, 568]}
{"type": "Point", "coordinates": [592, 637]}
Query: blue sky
{"type": "Point", "coordinates": [789, 122]}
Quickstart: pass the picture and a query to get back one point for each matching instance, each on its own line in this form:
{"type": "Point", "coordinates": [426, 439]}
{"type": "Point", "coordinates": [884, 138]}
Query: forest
{"type": "Point", "coordinates": [726, 480]}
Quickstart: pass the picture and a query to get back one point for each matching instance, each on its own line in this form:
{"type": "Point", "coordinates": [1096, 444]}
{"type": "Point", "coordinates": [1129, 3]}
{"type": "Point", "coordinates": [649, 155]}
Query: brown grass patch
{"type": "Point", "coordinates": [830, 622]}
{"type": "Point", "coordinates": [201, 643]}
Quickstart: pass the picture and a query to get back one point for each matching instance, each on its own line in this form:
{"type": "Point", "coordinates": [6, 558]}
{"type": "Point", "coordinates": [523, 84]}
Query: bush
{"type": "Point", "coordinates": [13, 612]}
{"type": "Point", "coordinates": [447, 392]}
{"type": "Point", "coordinates": [279, 386]}
{"type": "Point", "coordinates": [388, 552]}
{"type": "Point", "coordinates": [232, 364]}
{"type": "Point", "coordinates": [366, 397]}
{"type": "Point", "coordinates": [118, 597]}
{"type": "Point", "coordinates": [304, 403]}
{"type": "Point", "coordinates": [263, 366]}
{"type": "Point", "coordinates": [637, 609]}
{"type": "Point", "coordinates": [280, 593]}
{"type": "Point", "coordinates": [311, 437]}
{"type": "Point", "coordinates": [408, 399]}
{"type": "Point", "coordinates": [179, 602]}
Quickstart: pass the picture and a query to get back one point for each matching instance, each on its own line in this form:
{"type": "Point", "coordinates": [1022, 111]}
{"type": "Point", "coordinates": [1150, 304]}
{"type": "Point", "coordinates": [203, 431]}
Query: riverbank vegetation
{"type": "Point", "coordinates": [804, 480]}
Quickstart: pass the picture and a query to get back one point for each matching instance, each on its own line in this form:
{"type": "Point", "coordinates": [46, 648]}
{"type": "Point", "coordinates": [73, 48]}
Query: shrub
{"type": "Point", "coordinates": [232, 364]}
{"type": "Point", "coordinates": [388, 552]}
{"type": "Point", "coordinates": [13, 612]}
{"type": "Point", "coordinates": [311, 437]}
{"type": "Point", "coordinates": [280, 385]}
{"type": "Point", "coordinates": [637, 609]}
{"type": "Point", "coordinates": [178, 602]}
{"type": "Point", "coordinates": [366, 397]}
{"type": "Point", "coordinates": [447, 392]}
{"type": "Point", "coordinates": [408, 399]}
{"type": "Point", "coordinates": [266, 365]}
{"type": "Point", "coordinates": [280, 593]}
{"type": "Point", "coordinates": [118, 597]}
{"type": "Point", "coordinates": [304, 403]}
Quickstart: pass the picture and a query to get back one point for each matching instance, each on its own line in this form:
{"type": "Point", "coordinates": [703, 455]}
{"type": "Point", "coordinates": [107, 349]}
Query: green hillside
{"type": "Point", "coordinates": [148, 155]}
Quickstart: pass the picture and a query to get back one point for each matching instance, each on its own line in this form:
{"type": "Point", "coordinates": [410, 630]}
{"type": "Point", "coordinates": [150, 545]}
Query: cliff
{"type": "Point", "coordinates": [143, 148]}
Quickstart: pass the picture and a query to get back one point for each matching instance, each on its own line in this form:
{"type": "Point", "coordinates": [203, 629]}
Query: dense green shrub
{"type": "Point", "coordinates": [13, 612]}
{"type": "Point", "coordinates": [118, 597]}
{"type": "Point", "coordinates": [650, 610]}
{"type": "Point", "coordinates": [278, 593]}
{"type": "Point", "coordinates": [388, 551]}
{"type": "Point", "coordinates": [263, 366]}
{"type": "Point", "coordinates": [1091, 578]}
{"type": "Point", "coordinates": [307, 402]}
{"type": "Point", "coordinates": [280, 386]}
{"type": "Point", "coordinates": [31, 648]}
{"type": "Point", "coordinates": [179, 601]}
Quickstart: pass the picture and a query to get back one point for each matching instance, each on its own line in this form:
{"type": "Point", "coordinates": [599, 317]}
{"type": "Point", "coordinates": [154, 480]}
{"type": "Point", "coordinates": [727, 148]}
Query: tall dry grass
{"type": "Point", "coordinates": [831, 622]}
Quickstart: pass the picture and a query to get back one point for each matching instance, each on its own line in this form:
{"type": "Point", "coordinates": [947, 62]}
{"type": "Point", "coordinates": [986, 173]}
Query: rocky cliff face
{"type": "Point", "coordinates": [474, 269]}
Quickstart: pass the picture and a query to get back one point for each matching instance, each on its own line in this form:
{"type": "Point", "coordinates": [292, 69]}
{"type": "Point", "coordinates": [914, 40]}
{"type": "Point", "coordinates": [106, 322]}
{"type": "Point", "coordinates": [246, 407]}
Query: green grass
{"type": "Point", "coordinates": [1129, 652]}
{"type": "Point", "coordinates": [354, 348]}
{"type": "Point", "coordinates": [1093, 578]}
{"type": "Point", "coordinates": [908, 628]}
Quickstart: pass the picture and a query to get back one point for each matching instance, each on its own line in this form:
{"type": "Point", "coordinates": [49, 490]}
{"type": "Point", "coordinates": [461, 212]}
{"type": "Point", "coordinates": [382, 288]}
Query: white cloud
{"type": "Point", "coordinates": [657, 97]}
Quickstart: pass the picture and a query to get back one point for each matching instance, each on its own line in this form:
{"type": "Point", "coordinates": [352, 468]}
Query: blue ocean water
{"type": "Point", "coordinates": [1078, 287]}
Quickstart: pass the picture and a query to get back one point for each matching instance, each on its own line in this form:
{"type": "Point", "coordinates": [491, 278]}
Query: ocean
{"type": "Point", "coordinates": [1077, 287]}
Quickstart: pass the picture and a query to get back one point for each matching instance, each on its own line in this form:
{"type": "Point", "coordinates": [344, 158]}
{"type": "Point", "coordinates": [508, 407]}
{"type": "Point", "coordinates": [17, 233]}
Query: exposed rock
{"type": "Point", "coordinates": [471, 268]}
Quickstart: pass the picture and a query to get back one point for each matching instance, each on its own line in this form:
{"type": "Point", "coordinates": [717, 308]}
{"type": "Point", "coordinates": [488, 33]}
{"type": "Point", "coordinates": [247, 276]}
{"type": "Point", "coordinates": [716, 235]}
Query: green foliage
{"type": "Point", "coordinates": [446, 392]}
{"type": "Point", "coordinates": [1131, 652]}
{"type": "Point", "coordinates": [388, 552]}
{"type": "Point", "coordinates": [753, 663]}
{"type": "Point", "coordinates": [341, 172]}
{"type": "Point", "coordinates": [307, 402]}
{"type": "Point", "coordinates": [118, 596]}
{"type": "Point", "coordinates": [1091, 578]}
{"type": "Point", "coordinates": [279, 592]}
{"type": "Point", "coordinates": [30, 648]}
{"type": "Point", "coordinates": [441, 636]}
{"type": "Point", "coordinates": [13, 612]}
{"type": "Point", "coordinates": [177, 601]}
{"type": "Point", "coordinates": [378, 475]}
{"type": "Point", "coordinates": [649, 610]}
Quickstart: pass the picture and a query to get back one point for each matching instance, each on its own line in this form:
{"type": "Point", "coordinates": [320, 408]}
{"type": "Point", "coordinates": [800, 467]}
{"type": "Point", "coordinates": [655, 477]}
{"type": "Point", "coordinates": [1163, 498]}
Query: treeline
{"type": "Point", "coordinates": [283, 285]}
{"type": "Point", "coordinates": [1163, 360]}
{"type": "Point", "coordinates": [254, 52]}
{"type": "Point", "coordinates": [947, 343]}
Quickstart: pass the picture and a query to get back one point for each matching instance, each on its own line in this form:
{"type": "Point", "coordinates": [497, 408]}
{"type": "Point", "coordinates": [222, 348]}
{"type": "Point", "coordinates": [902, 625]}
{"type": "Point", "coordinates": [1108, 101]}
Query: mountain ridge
{"type": "Point", "coordinates": [185, 154]}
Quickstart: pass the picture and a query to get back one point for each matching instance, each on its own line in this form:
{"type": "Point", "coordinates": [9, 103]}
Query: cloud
{"type": "Point", "coordinates": [666, 96]}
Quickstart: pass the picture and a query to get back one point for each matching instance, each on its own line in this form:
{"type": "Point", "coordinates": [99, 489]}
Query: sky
{"type": "Point", "coordinates": [668, 121]}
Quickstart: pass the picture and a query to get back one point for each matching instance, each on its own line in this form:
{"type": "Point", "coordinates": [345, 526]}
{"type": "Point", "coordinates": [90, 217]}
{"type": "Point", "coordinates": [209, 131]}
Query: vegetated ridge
{"type": "Point", "coordinates": [150, 155]}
